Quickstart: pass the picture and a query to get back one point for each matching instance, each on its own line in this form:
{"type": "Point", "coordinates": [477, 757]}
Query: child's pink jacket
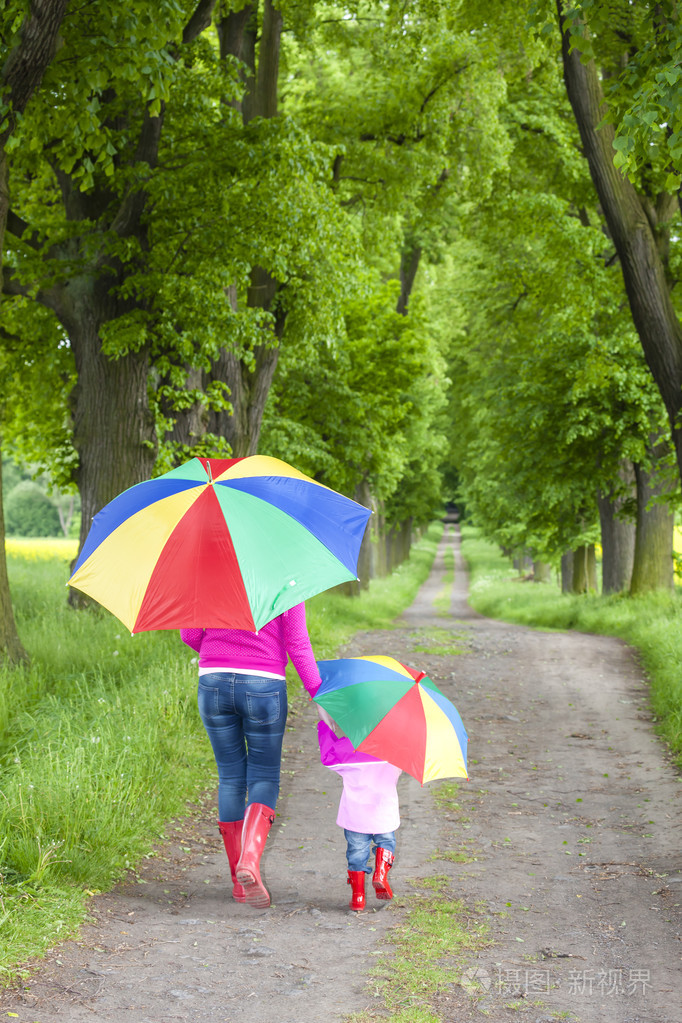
{"type": "Point", "coordinates": [369, 801]}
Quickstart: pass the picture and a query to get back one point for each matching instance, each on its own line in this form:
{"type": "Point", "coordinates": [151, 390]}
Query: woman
{"type": "Point", "coordinates": [243, 705]}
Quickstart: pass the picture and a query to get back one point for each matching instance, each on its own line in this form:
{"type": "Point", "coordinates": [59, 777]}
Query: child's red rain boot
{"type": "Point", "coordinates": [232, 838]}
{"type": "Point", "coordinates": [257, 823]}
{"type": "Point", "coordinates": [356, 878]}
{"type": "Point", "coordinates": [384, 862]}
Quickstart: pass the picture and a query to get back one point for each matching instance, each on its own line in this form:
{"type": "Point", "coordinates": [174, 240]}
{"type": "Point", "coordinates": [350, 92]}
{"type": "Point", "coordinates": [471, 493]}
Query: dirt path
{"type": "Point", "coordinates": [572, 814]}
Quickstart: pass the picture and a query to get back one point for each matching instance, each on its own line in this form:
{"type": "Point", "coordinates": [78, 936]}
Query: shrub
{"type": "Point", "coordinates": [30, 512]}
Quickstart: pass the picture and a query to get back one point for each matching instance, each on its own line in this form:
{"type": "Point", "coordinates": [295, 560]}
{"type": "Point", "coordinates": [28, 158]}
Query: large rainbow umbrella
{"type": "Point", "coordinates": [396, 713]}
{"type": "Point", "coordinates": [219, 543]}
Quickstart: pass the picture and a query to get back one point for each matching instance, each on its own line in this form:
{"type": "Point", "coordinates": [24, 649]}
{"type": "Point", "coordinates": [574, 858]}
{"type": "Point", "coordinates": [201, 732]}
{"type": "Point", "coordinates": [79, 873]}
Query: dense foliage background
{"type": "Point", "coordinates": [428, 253]}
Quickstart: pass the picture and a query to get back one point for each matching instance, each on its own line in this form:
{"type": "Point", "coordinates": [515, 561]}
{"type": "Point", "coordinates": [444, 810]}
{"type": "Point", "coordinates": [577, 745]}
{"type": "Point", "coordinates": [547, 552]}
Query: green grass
{"type": "Point", "coordinates": [442, 642]}
{"type": "Point", "coordinates": [422, 952]}
{"type": "Point", "coordinates": [101, 743]}
{"type": "Point", "coordinates": [651, 623]}
{"type": "Point", "coordinates": [444, 597]}
{"type": "Point", "coordinates": [445, 797]}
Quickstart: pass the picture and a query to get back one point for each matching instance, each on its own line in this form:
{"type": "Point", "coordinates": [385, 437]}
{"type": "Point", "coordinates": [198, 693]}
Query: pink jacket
{"type": "Point", "coordinates": [265, 650]}
{"type": "Point", "coordinates": [369, 801]}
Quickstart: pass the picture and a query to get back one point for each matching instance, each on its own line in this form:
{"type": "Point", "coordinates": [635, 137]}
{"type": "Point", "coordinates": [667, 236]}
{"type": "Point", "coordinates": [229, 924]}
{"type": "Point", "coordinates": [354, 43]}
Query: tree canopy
{"type": "Point", "coordinates": [424, 253]}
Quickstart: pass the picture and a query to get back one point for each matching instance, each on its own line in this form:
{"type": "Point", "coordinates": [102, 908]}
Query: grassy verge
{"type": "Point", "coordinates": [651, 623]}
{"type": "Point", "coordinates": [100, 741]}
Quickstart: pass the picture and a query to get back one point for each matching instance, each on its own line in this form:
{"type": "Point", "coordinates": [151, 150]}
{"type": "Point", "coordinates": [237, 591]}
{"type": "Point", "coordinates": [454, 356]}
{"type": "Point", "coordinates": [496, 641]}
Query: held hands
{"type": "Point", "coordinates": [331, 723]}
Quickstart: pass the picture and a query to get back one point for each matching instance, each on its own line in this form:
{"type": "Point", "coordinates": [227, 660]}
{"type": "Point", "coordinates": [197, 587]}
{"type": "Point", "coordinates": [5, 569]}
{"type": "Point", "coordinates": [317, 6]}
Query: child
{"type": "Point", "coordinates": [368, 811]}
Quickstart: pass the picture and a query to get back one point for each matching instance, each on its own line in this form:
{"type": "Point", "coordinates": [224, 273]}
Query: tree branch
{"type": "Point", "coordinates": [26, 63]}
{"type": "Point", "coordinates": [11, 286]}
{"type": "Point", "coordinates": [199, 22]}
{"type": "Point", "coordinates": [19, 228]}
{"type": "Point", "coordinates": [403, 137]}
{"type": "Point", "coordinates": [439, 85]}
{"type": "Point", "coordinates": [12, 342]}
{"type": "Point", "coordinates": [127, 219]}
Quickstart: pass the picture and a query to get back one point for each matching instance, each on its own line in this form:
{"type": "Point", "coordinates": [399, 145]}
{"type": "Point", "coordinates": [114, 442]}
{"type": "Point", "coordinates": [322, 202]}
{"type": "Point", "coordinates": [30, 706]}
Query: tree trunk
{"type": "Point", "coordinates": [189, 424]}
{"type": "Point", "coordinates": [4, 202]}
{"type": "Point", "coordinates": [395, 548]}
{"type": "Point", "coordinates": [66, 516]}
{"type": "Point", "coordinates": [521, 562]}
{"type": "Point", "coordinates": [617, 534]}
{"type": "Point", "coordinates": [11, 648]}
{"type": "Point", "coordinates": [364, 497]}
{"type": "Point", "coordinates": [25, 64]}
{"type": "Point", "coordinates": [267, 77]}
{"type": "Point", "coordinates": [542, 572]}
{"type": "Point", "coordinates": [20, 75]}
{"type": "Point", "coordinates": [409, 264]}
{"type": "Point", "coordinates": [379, 547]}
{"type": "Point", "coordinates": [632, 234]}
{"type": "Point", "coordinates": [584, 570]}
{"type": "Point", "coordinates": [237, 33]}
{"type": "Point", "coordinates": [406, 534]}
{"type": "Point", "coordinates": [249, 388]}
{"type": "Point", "coordinates": [114, 433]}
{"type": "Point", "coordinates": [653, 561]}
{"type": "Point", "coordinates": [567, 572]}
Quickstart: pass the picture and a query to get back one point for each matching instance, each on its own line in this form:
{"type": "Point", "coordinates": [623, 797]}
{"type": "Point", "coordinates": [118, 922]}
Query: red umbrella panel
{"type": "Point", "coordinates": [395, 713]}
{"type": "Point", "coordinates": [219, 543]}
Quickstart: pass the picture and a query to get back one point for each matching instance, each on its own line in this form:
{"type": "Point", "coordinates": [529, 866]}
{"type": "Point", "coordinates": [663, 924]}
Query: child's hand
{"type": "Point", "coordinates": [327, 719]}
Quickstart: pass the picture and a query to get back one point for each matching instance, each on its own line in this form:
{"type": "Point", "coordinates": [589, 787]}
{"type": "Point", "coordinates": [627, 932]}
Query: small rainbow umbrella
{"type": "Point", "coordinates": [396, 713]}
{"type": "Point", "coordinates": [219, 543]}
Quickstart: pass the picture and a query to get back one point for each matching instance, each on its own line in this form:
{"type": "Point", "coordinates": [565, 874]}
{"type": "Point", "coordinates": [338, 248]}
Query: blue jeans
{"type": "Point", "coordinates": [244, 716]}
{"type": "Point", "coordinates": [357, 848]}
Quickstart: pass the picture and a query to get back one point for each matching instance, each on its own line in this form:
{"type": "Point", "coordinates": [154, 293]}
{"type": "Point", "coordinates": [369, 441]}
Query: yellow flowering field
{"type": "Point", "coordinates": [42, 548]}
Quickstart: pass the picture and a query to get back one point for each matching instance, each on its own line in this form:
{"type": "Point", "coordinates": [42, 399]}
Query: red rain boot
{"type": "Point", "coordinates": [257, 823]}
{"type": "Point", "coordinates": [384, 862]}
{"type": "Point", "coordinates": [356, 878]}
{"type": "Point", "coordinates": [232, 837]}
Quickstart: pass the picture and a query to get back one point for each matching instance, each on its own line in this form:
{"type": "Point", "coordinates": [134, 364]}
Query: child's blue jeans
{"type": "Point", "coordinates": [358, 848]}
